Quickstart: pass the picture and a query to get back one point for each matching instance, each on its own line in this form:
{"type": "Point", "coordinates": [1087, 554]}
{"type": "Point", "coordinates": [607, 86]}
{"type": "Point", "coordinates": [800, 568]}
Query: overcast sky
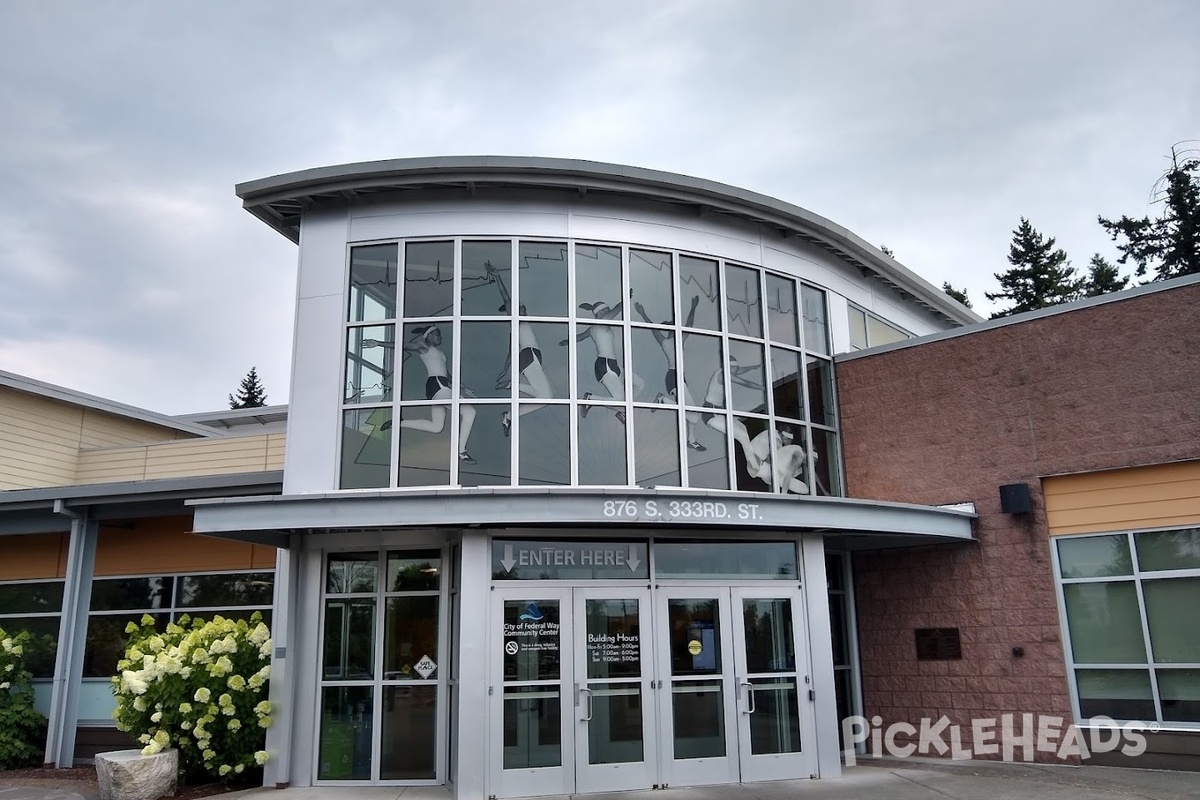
{"type": "Point", "coordinates": [128, 268]}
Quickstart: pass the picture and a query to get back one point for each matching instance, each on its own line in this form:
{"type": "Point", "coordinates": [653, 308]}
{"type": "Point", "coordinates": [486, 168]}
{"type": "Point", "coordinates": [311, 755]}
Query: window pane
{"type": "Point", "coordinates": [602, 445]}
{"type": "Point", "coordinates": [780, 460]}
{"type": "Point", "coordinates": [1168, 549]}
{"type": "Point", "coordinates": [373, 283]}
{"type": "Point", "coordinates": [106, 641]}
{"type": "Point", "coordinates": [1094, 556]}
{"type": "Point", "coordinates": [487, 359]}
{"type": "Point", "coordinates": [704, 370]}
{"type": "Point", "coordinates": [42, 646]}
{"type": "Point", "coordinates": [344, 752]}
{"type": "Point", "coordinates": [366, 448]}
{"type": "Point", "coordinates": [1117, 693]}
{"type": "Point", "coordinates": [25, 598]}
{"type": "Point", "coordinates": [532, 727]}
{"type": "Point", "coordinates": [656, 447]}
{"type": "Point", "coordinates": [1173, 612]}
{"type": "Point", "coordinates": [545, 450]}
{"type": "Point", "coordinates": [821, 408]}
{"type": "Point", "coordinates": [486, 276]}
{"type": "Point", "coordinates": [428, 279]}
{"type": "Point", "coordinates": [543, 361]}
{"type": "Point", "coordinates": [743, 302]}
{"type": "Point", "coordinates": [1105, 623]}
{"type": "Point", "coordinates": [409, 735]}
{"type": "Point", "coordinates": [770, 644]}
{"type": "Point", "coordinates": [598, 282]}
{"type": "Point", "coordinates": [490, 448]}
{"type": "Point", "coordinates": [351, 573]}
{"type": "Point", "coordinates": [816, 323]}
{"type": "Point", "coordinates": [826, 469]}
{"type": "Point", "coordinates": [601, 361]}
{"type": "Point", "coordinates": [781, 310]}
{"type": "Point", "coordinates": [425, 365]}
{"type": "Point", "coordinates": [748, 376]}
{"type": "Point", "coordinates": [752, 454]}
{"type": "Point", "coordinates": [650, 276]}
{"type": "Point", "coordinates": [881, 332]}
{"type": "Point", "coordinates": [243, 589]}
{"type": "Point", "coordinates": [349, 639]}
{"type": "Point", "coordinates": [726, 560]}
{"type": "Point", "coordinates": [133, 593]}
{"type": "Point", "coordinates": [613, 639]}
{"type": "Point", "coordinates": [370, 368]}
{"type": "Point", "coordinates": [695, 637]}
{"type": "Point", "coordinates": [698, 285]}
{"type": "Point", "coordinates": [413, 570]}
{"type": "Point", "coordinates": [858, 328]}
{"type": "Point", "coordinates": [653, 363]}
{"type": "Point", "coordinates": [533, 626]}
{"type": "Point", "coordinates": [1179, 691]}
{"type": "Point", "coordinates": [425, 444]}
{"type": "Point", "coordinates": [410, 633]}
{"type": "Point", "coordinates": [543, 279]}
{"type": "Point", "coordinates": [707, 450]}
{"type": "Point", "coordinates": [786, 391]}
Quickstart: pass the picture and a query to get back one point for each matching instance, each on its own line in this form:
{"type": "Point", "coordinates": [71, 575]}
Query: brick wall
{"type": "Point", "coordinates": [1095, 388]}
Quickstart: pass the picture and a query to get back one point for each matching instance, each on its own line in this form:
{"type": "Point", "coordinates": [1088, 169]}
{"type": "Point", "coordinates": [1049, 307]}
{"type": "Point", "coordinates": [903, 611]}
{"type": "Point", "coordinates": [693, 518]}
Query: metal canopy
{"type": "Point", "coordinates": [864, 523]}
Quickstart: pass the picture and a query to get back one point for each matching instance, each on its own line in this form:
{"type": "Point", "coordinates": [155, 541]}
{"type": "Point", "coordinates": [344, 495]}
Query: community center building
{"type": "Point", "coordinates": [595, 478]}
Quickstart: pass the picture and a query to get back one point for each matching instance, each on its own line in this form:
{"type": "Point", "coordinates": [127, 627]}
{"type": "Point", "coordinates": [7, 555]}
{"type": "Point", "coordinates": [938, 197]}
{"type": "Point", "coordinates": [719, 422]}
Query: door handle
{"type": "Point", "coordinates": [588, 718]}
{"type": "Point", "coordinates": [749, 696]}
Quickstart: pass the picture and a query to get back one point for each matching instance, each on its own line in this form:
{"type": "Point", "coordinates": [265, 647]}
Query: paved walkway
{"type": "Point", "coordinates": [908, 779]}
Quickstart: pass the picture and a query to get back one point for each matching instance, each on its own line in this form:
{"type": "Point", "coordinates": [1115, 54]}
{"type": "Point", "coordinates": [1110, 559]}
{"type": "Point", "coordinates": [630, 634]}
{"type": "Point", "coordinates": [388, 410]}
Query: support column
{"type": "Point", "coordinates": [820, 642]}
{"type": "Point", "coordinates": [282, 689]}
{"type": "Point", "coordinates": [72, 637]}
{"type": "Point", "coordinates": [471, 727]}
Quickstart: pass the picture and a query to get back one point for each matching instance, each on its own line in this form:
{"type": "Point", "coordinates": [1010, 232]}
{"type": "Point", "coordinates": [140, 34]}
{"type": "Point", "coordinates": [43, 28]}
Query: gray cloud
{"type": "Point", "coordinates": [127, 268]}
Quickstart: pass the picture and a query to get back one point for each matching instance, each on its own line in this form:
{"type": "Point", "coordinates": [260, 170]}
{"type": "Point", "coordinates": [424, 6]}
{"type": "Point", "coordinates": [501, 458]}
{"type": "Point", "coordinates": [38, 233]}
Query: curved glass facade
{"type": "Point", "coordinates": [520, 362]}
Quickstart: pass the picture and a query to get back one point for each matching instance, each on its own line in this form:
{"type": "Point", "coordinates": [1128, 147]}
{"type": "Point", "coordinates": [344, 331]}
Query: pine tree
{"type": "Point", "coordinates": [958, 294]}
{"type": "Point", "coordinates": [1040, 276]}
{"type": "Point", "coordinates": [251, 393]}
{"type": "Point", "coordinates": [1172, 241]}
{"type": "Point", "coordinates": [1103, 278]}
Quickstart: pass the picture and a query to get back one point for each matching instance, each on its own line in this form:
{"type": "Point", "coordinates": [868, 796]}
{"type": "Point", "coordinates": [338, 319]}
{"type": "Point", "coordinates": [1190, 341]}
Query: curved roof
{"type": "Point", "coordinates": [280, 200]}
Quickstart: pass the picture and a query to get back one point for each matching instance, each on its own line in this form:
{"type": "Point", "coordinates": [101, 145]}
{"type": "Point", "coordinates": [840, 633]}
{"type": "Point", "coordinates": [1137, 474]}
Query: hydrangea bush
{"type": "Point", "coordinates": [22, 727]}
{"type": "Point", "coordinates": [200, 687]}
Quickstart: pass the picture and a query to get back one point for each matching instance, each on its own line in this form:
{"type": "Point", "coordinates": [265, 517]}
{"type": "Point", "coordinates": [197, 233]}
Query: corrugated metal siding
{"type": "Point", "coordinates": [1160, 496]}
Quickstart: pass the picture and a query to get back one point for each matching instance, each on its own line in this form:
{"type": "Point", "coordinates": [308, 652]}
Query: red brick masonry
{"type": "Point", "coordinates": [1109, 386]}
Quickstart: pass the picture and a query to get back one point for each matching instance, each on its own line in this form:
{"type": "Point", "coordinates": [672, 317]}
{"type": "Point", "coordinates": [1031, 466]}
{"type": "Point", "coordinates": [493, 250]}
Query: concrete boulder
{"type": "Point", "coordinates": [129, 775]}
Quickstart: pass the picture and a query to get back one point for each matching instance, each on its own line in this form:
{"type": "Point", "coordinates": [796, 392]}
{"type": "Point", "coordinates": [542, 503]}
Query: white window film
{"type": "Point", "coordinates": [1131, 608]}
{"type": "Point", "coordinates": [518, 362]}
{"type": "Point", "coordinates": [870, 330]}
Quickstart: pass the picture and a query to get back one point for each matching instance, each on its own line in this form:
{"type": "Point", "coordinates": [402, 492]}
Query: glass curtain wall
{"type": "Point", "coordinates": [514, 362]}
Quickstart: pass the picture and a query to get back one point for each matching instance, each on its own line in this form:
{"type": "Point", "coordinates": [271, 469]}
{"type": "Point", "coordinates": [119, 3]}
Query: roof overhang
{"type": "Point", "coordinates": [281, 201]}
{"type": "Point", "coordinates": [859, 524]}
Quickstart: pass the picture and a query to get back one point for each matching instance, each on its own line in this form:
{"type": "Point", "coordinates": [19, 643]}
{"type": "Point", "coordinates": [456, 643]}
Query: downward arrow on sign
{"type": "Point", "coordinates": [508, 561]}
{"type": "Point", "coordinates": [633, 561]}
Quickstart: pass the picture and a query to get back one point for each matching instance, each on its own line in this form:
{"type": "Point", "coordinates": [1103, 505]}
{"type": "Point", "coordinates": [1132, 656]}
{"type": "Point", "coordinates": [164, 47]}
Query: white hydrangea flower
{"type": "Point", "coordinates": [260, 634]}
{"type": "Point", "coordinates": [234, 724]}
{"type": "Point", "coordinates": [261, 757]}
{"type": "Point", "coordinates": [202, 695]}
{"type": "Point", "coordinates": [139, 704]}
{"type": "Point", "coordinates": [237, 682]}
{"type": "Point", "coordinates": [224, 770]}
{"type": "Point", "coordinates": [185, 708]}
{"type": "Point", "coordinates": [264, 722]}
{"type": "Point", "coordinates": [263, 708]}
{"type": "Point", "coordinates": [156, 716]}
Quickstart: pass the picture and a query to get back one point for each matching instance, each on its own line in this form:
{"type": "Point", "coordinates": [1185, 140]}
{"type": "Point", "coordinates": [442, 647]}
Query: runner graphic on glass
{"type": "Point", "coordinates": [426, 344]}
{"type": "Point", "coordinates": [532, 381]}
{"type": "Point", "coordinates": [785, 464]}
{"type": "Point", "coordinates": [607, 365]}
{"type": "Point", "coordinates": [714, 397]}
{"type": "Point", "coordinates": [666, 340]}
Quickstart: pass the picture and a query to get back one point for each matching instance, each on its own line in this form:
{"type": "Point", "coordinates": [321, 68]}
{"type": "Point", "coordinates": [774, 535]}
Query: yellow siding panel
{"type": "Point", "coordinates": [183, 458]}
{"type": "Point", "coordinates": [39, 440]}
{"type": "Point", "coordinates": [107, 430]}
{"type": "Point", "coordinates": [276, 449]}
{"type": "Point", "coordinates": [1160, 496]}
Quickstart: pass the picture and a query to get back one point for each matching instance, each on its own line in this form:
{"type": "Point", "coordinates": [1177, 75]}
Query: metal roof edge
{"type": "Point", "coordinates": [1152, 287]}
{"type": "Point", "coordinates": [62, 394]}
{"type": "Point", "coordinates": [96, 493]}
{"type": "Point", "coordinates": [637, 181]}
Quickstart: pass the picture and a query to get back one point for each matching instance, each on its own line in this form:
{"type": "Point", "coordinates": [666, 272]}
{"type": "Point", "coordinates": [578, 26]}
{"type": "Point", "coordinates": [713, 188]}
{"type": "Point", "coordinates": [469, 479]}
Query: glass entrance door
{"type": "Point", "coordinates": [572, 711]}
{"type": "Point", "coordinates": [775, 726]}
{"type": "Point", "coordinates": [736, 703]}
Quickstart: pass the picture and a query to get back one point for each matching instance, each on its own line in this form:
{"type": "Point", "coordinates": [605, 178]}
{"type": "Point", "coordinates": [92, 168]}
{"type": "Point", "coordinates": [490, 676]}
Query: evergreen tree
{"type": "Point", "coordinates": [251, 393]}
{"type": "Point", "coordinates": [1040, 276]}
{"type": "Point", "coordinates": [1172, 241]}
{"type": "Point", "coordinates": [1103, 278]}
{"type": "Point", "coordinates": [958, 294]}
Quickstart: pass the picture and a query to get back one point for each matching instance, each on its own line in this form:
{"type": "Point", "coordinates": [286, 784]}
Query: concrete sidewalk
{"type": "Point", "coordinates": [883, 779]}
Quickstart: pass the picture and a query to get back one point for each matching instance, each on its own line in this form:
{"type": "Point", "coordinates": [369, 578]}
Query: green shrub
{"type": "Point", "coordinates": [200, 687]}
{"type": "Point", "coordinates": [22, 727]}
